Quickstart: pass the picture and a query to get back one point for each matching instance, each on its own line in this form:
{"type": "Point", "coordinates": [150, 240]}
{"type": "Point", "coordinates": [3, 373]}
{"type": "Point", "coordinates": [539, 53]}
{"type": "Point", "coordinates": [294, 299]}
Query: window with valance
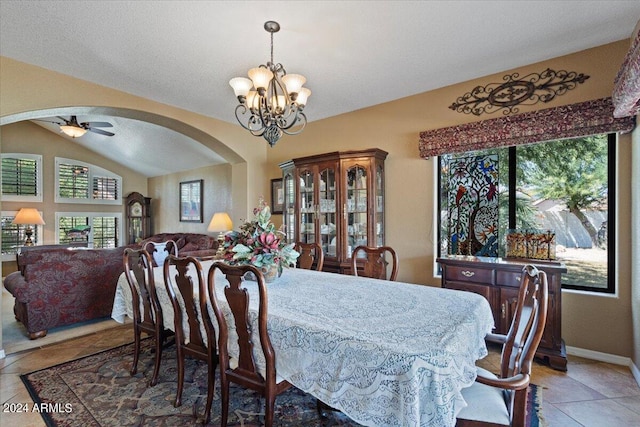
{"type": "Point", "coordinates": [568, 121]}
{"type": "Point", "coordinates": [586, 131]}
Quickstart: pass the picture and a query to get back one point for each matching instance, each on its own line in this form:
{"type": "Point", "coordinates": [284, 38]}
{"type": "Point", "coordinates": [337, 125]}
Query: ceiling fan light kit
{"type": "Point", "coordinates": [74, 129]}
{"type": "Point", "coordinates": [271, 101]}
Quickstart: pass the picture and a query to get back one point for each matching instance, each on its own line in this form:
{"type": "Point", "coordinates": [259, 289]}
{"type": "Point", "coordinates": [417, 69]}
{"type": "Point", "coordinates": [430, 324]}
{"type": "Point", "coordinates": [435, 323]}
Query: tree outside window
{"type": "Point", "coordinates": [563, 186]}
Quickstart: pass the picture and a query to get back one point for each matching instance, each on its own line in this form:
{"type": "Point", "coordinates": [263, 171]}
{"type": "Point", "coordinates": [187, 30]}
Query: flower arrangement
{"type": "Point", "coordinates": [259, 243]}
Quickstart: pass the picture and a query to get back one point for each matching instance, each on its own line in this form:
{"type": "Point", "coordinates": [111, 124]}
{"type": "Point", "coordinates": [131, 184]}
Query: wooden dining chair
{"type": "Point", "coordinates": [499, 400]}
{"type": "Point", "coordinates": [160, 250]}
{"type": "Point", "coordinates": [194, 344]}
{"type": "Point", "coordinates": [310, 254]}
{"type": "Point", "coordinates": [243, 370]}
{"type": "Point", "coordinates": [375, 262]}
{"type": "Point", "coordinates": [147, 312]}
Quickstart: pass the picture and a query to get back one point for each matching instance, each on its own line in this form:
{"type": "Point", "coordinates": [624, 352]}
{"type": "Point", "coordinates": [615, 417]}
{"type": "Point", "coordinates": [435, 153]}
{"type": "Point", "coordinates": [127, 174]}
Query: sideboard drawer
{"type": "Point", "coordinates": [509, 278]}
{"type": "Point", "coordinates": [469, 274]}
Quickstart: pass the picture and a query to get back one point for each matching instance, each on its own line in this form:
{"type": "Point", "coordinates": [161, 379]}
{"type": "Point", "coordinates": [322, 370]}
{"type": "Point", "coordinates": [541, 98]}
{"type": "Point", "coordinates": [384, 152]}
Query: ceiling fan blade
{"type": "Point", "coordinates": [48, 121]}
{"type": "Point", "coordinates": [67, 122]}
{"type": "Point", "coordinates": [97, 124]}
{"type": "Point", "coordinates": [100, 131]}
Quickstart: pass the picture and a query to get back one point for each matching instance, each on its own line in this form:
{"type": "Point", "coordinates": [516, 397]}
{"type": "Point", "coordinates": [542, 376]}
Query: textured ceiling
{"type": "Point", "coordinates": [354, 53]}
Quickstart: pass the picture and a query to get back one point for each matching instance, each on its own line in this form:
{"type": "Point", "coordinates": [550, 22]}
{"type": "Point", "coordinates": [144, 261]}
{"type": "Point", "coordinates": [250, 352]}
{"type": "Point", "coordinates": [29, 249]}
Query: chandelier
{"type": "Point", "coordinates": [271, 101]}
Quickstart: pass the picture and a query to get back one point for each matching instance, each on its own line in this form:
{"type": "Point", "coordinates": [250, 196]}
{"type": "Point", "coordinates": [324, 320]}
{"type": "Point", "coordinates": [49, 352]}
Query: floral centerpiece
{"type": "Point", "coordinates": [260, 244]}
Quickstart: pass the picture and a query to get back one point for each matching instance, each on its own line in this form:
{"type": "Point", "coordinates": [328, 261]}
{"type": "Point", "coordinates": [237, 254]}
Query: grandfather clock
{"type": "Point", "coordinates": [138, 211]}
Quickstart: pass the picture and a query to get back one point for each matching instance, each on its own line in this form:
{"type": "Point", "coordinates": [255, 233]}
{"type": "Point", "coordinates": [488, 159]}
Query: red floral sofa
{"type": "Point", "coordinates": [189, 244]}
{"type": "Point", "coordinates": [61, 286]}
{"type": "Point", "coordinates": [57, 286]}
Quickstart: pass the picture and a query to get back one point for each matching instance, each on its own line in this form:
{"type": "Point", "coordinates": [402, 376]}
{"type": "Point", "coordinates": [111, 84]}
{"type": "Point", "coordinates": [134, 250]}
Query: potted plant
{"type": "Point", "coordinates": [260, 244]}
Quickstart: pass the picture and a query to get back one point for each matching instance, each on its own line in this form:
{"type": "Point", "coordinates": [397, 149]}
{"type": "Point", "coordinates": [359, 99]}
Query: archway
{"type": "Point", "coordinates": [240, 170]}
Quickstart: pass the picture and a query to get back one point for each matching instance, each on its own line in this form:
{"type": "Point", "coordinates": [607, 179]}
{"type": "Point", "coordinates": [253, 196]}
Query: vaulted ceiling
{"type": "Point", "coordinates": [354, 53]}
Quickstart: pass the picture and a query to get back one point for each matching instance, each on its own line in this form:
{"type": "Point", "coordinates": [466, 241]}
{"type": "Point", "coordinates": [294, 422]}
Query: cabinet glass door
{"type": "Point", "coordinates": [327, 208]}
{"type": "Point", "coordinates": [379, 207]}
{"type": "Point", "coordinates": [356, 208]}
{"type": "Point", "coordinates": [289, 212]}
{"type": "Point", "coordinates": [307, 207]}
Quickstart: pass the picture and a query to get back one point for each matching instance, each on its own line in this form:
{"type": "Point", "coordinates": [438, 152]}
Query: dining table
{"type": "Point", "coordinates": [384, 353]}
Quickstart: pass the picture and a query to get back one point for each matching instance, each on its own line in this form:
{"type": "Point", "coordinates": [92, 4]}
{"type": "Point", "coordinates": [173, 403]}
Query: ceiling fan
{"type": "Point", "coordinates": [74, 129]}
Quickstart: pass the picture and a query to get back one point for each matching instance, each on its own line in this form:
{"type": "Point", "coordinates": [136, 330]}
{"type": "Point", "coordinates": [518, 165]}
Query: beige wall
{"type": "Point", "coordinates": [591, 322]}
{"type": "Point", "coordinates": [596, 323]}
{"type": "Point", "coordinates": [27, 90]}
{"type": "Point", "coordinates": [165, 204]}
{"type": "Point", "coordinates": [26, 137]}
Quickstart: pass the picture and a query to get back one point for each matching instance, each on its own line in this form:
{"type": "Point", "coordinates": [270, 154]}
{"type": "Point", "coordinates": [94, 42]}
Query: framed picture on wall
{"type": "Point", "coordinates": [277, 196]}
{"type": "Point", "coordinates": [191, 201]}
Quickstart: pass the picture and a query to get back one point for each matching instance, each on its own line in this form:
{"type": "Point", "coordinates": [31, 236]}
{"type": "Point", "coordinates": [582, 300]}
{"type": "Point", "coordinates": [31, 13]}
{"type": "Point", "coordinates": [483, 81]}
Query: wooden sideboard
{"type": "Point", "coordinates": [498, 281]}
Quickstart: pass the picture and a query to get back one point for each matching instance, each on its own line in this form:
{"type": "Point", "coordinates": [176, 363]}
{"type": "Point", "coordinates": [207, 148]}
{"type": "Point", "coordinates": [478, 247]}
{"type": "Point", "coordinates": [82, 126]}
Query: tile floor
{"type": "Point", "coordinates": [590, 393]}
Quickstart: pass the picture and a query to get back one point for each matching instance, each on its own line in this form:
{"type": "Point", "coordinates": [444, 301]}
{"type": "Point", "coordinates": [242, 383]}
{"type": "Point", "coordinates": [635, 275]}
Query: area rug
{"type": "Point", "coordinates": [98, 391]}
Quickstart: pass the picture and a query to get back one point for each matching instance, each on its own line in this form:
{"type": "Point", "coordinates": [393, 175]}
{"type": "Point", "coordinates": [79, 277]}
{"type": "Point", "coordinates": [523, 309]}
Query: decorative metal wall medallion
{"type": "Point", "coordinates": [529, 90]}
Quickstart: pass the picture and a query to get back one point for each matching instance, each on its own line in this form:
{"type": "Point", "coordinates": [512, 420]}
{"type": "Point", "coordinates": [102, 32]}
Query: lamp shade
{"type": "Point", "coordinates": [293, 82]}
{"type": "Point", "coordinates": [260, 77]}
{"type": "Point", "coordinates": [28, 216]}
{"type": "Point", "coordinates": [303, 95]}
{"type": "Point", "coordinates": [220, 222]}
{"type": "Point", "coordinates": [241, 85]}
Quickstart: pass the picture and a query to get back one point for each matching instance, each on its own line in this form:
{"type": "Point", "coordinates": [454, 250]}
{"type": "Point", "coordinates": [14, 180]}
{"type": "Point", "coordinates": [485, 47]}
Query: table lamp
{"type": "Point", "coordinates": [28, 217]}
{"type": "Point", "coordinates": [220, 223]}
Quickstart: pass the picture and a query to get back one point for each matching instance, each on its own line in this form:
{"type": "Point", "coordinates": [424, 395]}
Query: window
{"type": "Point", "coordinates": [562, 186]}
{"type": "Point", "coordinates": [79, 182]}
{"type": "Point", "coordinates": [13, 235]}
{"type": "Point", "coordinates": [21, 177]}
{"type": "Point", "coordinates": [99, 230]}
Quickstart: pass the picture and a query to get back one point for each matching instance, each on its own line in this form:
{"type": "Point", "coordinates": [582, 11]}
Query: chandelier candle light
{"type": "Point", "coordinates": [271, 101]}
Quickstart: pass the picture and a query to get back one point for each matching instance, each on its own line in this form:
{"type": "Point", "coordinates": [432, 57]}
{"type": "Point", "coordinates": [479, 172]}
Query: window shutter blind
{"type": "Point", "coordinates": [19, 177]}
{"type": "Point", "coordinates": [74, 181]}
{"type": "Point", "coordinates": [105, 188]}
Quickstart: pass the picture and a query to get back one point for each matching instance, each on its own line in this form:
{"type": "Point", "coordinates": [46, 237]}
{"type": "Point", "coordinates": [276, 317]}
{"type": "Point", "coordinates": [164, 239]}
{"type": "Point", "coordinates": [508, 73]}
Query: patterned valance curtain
{"type": "Point", "coordinates": [567, 121]}
{"type": "Point", "coordinates": [626, 90]}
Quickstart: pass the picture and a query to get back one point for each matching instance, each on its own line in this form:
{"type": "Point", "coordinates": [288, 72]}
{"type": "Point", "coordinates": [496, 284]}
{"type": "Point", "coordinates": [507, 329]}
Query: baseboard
{"type": "Point", "coordinates": [636, 372]}
{"type": "Point", "coordinates": [606, 357]}
{"type": "Point", "coordinates": [2, 355]}
{"type": "Point", "coordinates": [599, 356]}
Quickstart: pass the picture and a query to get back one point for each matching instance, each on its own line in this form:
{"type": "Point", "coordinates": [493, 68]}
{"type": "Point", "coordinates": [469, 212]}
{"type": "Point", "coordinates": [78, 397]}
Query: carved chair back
{"type": "Point", "coordinates": [518, 350]}
{"type": "Point", "coordinates": [245, 370]}
{"type": "Point", "coordinates": [159, 251]}
{"type": "Point", "coordinates": [138, 269]}
{"type": "Point", "coordinates": [189, 302]}
{"type": "Point", "coordinates": [527, 325]}
{"type": "Point", "coordinates": [310, 254]}
{"type": "Point", "coordinates": [375, 262]}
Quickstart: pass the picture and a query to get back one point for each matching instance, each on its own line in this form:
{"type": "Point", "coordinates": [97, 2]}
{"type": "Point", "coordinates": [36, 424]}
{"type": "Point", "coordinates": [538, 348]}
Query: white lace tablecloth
{"type": "Point", "coordinates": [384, 353]}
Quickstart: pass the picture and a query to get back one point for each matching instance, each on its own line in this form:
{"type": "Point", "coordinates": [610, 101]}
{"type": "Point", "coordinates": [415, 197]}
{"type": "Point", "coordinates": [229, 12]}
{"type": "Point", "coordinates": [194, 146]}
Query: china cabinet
{"type": "Point", "coordinates": [498, 281]}
{"type": "Point", "coordinates": [337, 200]}
{"type": "Point", "coordinates": [138, 214]}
